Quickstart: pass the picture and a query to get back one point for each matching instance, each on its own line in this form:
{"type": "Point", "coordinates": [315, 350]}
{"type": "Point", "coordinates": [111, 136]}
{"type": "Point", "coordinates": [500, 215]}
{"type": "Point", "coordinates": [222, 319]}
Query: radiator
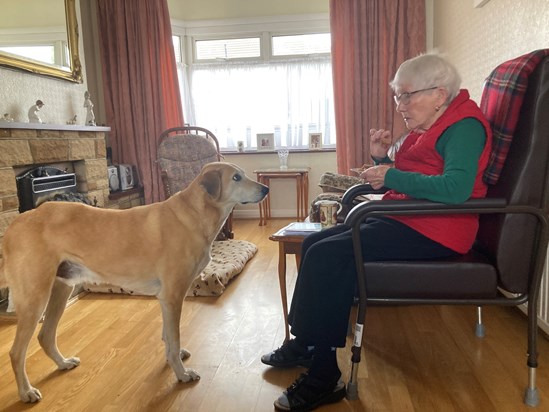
{"type": "Point", "coordinates": [543, 309]}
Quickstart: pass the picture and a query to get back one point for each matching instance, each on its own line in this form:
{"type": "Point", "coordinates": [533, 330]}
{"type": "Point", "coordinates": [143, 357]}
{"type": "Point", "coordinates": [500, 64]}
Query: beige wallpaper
{"type": "Point", "coordinates": [478, 39]}
{"type": "Point", "coordinates": [62, 99]}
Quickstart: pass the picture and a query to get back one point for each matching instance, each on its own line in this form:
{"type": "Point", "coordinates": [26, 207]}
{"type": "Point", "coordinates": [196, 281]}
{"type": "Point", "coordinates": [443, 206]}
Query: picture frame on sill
{"type": "Point", "coordinates": [265, 142]}
{"type": "Point", "coordinates": [315, 141]}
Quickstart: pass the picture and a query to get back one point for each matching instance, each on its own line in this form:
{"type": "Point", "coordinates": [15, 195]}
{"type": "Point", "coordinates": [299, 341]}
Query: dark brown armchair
{"type": "Point", "coordinates": [182, 152]}
{"type": "Point", "coordinates": [506, 264]}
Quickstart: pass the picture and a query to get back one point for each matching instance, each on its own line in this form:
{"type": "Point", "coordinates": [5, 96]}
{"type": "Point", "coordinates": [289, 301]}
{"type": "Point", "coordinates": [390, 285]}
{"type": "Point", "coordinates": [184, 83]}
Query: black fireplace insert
{"type": "Point", "coordinates": [42, 183]}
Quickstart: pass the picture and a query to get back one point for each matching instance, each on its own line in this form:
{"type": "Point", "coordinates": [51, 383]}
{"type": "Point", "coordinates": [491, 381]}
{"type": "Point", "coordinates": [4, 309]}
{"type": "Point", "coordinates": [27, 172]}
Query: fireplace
{"type": "Point", "coordinates": [80, 150]}
{"type": "Point", "coordinates": [25, 147]}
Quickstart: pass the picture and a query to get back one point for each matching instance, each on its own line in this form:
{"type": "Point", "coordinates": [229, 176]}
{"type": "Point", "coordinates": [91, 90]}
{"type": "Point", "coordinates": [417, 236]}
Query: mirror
{"type": "Point", "coordinates": [21, 46]}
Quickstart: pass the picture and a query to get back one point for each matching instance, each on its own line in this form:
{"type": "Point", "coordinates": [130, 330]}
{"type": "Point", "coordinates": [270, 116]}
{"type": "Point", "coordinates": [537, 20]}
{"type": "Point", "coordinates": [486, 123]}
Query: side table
{"type": "Point", "coordinates": [301, 176]}
{"type": "Point", "coordinates": [289, 243]}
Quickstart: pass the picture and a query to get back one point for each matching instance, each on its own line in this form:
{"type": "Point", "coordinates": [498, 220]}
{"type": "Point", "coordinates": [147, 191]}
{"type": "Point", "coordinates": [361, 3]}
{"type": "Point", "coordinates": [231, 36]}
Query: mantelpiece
{"type": "Point", "coordinates": [47, 126]}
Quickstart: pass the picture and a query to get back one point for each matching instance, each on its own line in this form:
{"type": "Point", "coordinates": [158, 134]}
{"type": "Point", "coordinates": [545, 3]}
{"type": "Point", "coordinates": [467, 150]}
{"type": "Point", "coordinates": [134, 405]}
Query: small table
{"type": "Point", "coordinates": [301, 176]}
{"type": "Point", "coordinates": [288, 244]}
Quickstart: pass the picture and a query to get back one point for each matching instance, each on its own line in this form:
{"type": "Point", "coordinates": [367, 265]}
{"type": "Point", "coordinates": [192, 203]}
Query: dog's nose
{"type": "Point", "coordinates": [265, 190]}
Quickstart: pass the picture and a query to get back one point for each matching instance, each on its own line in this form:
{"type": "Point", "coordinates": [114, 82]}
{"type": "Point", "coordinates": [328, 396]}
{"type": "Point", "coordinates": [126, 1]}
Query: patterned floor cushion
{"type": "Point", "coordinates": [228, 259]}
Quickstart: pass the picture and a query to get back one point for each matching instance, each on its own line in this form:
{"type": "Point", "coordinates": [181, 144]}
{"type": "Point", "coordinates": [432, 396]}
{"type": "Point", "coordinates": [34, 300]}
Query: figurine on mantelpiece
{"type": "Point", "coordinates": [6, 118]}
{"type": "Point", "coordinates": [34, 112]}
{"type": "Point", "coordinates": [72, 121]}
{"type": "Point", "coordinates": [88, 104]}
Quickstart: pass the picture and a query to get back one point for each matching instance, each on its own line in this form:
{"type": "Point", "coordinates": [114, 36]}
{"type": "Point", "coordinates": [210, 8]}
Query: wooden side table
{"type": "Point", "coordinates": [288, 244]}
{"type": "Point", "coordinates": [301, 176]}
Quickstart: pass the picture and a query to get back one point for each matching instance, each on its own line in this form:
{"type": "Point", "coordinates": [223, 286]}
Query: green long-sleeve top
{"type": "Point", "coordinates": [460, 146]}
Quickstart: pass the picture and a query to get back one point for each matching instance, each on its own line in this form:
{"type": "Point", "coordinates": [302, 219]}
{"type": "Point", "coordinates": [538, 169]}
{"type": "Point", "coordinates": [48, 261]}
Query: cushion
{"type": "Point", "coordinates": [335, 182]}
{"type": "Point", "coordinates": [228, 259]}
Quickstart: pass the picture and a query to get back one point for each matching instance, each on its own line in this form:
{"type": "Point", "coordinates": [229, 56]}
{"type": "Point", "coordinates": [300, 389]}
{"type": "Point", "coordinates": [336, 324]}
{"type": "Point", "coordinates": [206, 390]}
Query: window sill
{"type": "Point", "coordinates": [258, 152]}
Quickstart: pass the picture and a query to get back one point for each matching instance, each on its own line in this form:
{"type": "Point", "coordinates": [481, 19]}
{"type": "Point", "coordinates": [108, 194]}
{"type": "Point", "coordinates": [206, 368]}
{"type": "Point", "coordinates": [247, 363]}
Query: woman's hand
{"type": "Point", "coordinates": [375, 176]}
{"type": "Point", "coordinates": [380, 142]}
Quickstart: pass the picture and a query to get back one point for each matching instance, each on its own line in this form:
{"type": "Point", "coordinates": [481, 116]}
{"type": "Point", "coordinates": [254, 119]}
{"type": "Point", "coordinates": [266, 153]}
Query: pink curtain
{"type": "Point", "coordinates": [140, 80]}
{"type": "Point", "coordinates": [369, 41]}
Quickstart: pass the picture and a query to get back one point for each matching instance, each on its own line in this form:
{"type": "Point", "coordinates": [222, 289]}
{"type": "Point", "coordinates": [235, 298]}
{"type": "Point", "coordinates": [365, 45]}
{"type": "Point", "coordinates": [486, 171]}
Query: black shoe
{"type": "Point", "coordinates": [308, 393]}
{"type": "Point", "coordinates": [289, 355]}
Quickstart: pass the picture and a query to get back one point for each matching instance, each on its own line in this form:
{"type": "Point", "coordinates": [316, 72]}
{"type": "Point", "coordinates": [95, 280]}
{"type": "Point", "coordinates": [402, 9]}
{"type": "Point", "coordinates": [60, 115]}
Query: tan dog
{"type": "Point", "coordinates": [159, 248]}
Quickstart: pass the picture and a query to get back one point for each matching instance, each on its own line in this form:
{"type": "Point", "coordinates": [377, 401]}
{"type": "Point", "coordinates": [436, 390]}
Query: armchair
{"type": "Point", "coordinates": [505, 265]}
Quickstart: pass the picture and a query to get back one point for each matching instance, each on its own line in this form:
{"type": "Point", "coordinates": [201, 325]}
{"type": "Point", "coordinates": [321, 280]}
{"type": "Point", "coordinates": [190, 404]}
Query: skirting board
{"type": "Point", "coordinates": [254, 214]}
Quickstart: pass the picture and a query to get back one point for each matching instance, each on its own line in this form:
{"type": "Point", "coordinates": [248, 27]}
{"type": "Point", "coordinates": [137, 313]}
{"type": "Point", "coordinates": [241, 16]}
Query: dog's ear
{"type": "Point", "coordinates": [211, 182]}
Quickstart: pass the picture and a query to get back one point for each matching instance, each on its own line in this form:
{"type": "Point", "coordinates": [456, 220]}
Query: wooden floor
{"type": "Point", "coordinates": [415, 358]}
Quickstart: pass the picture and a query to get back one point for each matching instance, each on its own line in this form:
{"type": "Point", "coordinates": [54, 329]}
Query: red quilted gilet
{"type": "Point", "coordinates": [418, 154]}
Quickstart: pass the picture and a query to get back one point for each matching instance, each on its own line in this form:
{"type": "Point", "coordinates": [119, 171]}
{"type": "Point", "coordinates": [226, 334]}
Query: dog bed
{"type": "Point", "coordinates": [228, 259]}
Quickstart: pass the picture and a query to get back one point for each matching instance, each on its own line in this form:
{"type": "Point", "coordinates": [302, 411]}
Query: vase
{"type": "Point", "coordinates": [283, 158]}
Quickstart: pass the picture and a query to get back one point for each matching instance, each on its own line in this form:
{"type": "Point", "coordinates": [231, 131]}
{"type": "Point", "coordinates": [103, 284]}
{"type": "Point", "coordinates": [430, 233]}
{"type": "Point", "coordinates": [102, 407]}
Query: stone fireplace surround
{"type": "Point", "coordinates": [25, 145]}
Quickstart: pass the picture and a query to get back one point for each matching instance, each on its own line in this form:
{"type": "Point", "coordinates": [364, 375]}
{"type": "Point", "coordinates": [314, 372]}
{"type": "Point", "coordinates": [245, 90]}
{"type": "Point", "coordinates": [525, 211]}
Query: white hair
{"type": "Point", "coordinates": [428, 70]}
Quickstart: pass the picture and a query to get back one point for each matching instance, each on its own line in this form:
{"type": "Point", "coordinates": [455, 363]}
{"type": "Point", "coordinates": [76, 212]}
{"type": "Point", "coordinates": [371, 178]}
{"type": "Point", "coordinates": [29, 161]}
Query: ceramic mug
{"type": "Point", "coordinates": [328, 210]}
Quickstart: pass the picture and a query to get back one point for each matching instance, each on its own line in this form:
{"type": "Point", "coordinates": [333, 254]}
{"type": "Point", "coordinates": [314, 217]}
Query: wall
{"type": "Point", "coordinates": [478, 39]}
{"type": "Point", "coordinates": [283, 191]}
{"type": "Point", "coordinates": [230, 9]}
{"type": "Point", "coordinates": [63, 99]}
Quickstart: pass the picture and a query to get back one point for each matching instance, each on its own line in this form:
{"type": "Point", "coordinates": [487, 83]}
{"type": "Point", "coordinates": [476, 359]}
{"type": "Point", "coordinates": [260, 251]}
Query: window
{"type": "Point", "coordinates": [256, 81]}
{"type": "Point", "coordinates": [227, 49]}
{"type": "Point", "coordinates": [301, 44]}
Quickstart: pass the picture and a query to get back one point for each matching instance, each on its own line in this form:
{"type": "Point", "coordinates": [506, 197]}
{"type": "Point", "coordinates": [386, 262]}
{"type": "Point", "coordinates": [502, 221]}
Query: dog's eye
{"type": "Point", "coordinates": [237, 178]}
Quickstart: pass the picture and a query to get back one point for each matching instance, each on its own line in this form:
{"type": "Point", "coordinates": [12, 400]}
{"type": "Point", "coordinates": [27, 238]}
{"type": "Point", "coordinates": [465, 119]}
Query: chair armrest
{"type": "Point", "coordinates": [358, 190]}
{"type": "Point", "coordinates": [422, 207]}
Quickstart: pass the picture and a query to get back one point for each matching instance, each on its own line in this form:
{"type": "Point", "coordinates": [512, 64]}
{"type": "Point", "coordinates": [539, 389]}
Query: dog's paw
{"type": "Point", "coordinates": [31, 395]}
{"type": "Point", "coordinates": [184, 354]}
{"type": "Point", "coordinates": [189, 376]}
{"type": "Point", "coordinates": [69, 363]}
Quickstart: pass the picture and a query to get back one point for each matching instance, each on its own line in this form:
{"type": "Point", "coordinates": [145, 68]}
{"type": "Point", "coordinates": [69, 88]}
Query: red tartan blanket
{"type": "Point", "coordinates": [501, 102]}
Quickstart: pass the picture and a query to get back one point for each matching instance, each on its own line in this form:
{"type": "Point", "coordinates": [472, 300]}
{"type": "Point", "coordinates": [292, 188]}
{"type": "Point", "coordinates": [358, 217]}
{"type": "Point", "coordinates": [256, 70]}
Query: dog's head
{"type": "Point", "coordinates": [228, 183]}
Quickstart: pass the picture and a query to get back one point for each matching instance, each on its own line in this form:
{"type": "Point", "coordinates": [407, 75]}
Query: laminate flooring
{"type": "Point", "coordinates": [423, 358]}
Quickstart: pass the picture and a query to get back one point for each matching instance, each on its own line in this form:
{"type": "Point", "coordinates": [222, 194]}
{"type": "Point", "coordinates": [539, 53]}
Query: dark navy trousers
{"type": "Point", "coordinates": [326, 282]}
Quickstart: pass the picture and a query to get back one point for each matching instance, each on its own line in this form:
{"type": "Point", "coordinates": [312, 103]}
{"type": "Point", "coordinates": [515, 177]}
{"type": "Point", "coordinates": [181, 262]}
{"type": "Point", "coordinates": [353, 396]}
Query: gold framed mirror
{"type": "Point", "coordinates": [69, 68]}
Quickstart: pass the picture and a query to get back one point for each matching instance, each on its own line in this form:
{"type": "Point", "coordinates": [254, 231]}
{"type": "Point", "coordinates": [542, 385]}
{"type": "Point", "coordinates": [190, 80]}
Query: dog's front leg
{"type": "Point", "coordinates": [48, 333]}
{"type": "Point", "coordinates": [183, 353]}
{"type": "Point", "coordinates": [171, 316]}
{"type": "Point", "coordinates": [28, 314]}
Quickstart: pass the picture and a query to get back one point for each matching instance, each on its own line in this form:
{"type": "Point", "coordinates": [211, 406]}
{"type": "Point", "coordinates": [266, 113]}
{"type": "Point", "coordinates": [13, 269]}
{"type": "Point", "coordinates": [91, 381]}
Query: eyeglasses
{"type": "Point", "coordinates": [405, 98]}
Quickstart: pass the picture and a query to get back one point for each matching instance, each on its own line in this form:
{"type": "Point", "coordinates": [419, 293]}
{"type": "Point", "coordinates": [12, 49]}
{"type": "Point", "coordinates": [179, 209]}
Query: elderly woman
{"type": "Point", "coordinates": [442, 159]}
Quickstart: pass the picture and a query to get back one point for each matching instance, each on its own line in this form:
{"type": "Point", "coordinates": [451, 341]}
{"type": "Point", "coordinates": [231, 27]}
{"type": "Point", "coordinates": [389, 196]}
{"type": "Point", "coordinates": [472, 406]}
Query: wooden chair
{"type": "Point", "coordinates": [182, 152]}
{"type": "Point", "coordinates": [506, 264]}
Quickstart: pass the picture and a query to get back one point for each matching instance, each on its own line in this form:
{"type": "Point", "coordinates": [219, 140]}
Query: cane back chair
{"type": "Point", "coordinates": [182, 152]}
